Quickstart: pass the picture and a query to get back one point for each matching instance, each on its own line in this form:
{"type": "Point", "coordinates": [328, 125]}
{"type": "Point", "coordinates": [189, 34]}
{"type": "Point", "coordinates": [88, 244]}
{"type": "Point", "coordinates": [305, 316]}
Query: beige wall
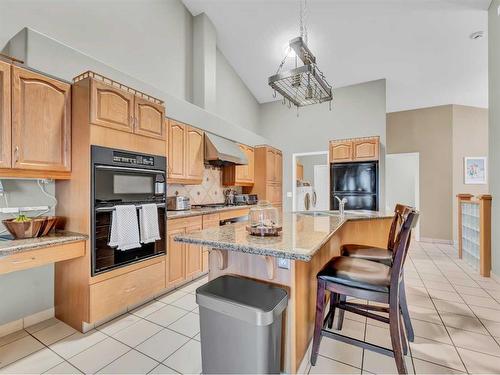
{"type": "Point", "coordinates": [429, 132]}
{"type": "Point", "coordinates": [494, 127]}
{"type": "Point", "coordinates": [443, 136]}
{"type": "Point", "coordinates": [470, 138]}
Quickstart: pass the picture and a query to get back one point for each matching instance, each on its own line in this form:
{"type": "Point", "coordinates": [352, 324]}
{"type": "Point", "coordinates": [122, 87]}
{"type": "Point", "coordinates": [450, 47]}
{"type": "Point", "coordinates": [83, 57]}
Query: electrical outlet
{"type": "Point", "coordinates": [284, 263]}
{"type": "Point", "coordinates": [289, 194]}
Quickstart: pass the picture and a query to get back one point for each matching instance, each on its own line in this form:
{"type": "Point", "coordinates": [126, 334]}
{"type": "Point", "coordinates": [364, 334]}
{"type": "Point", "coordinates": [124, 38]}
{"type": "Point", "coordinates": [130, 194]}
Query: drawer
{"type": "Point", "coordinates": [211, 220]}
{"type": "Point", "coordinates": [113, 295]}
{"type": "Point", "coordinates": [234, 213]}
{"type": "Point", "coordinates": [39, 257]}
{"type": "Point", "coordinates": [184, 222]}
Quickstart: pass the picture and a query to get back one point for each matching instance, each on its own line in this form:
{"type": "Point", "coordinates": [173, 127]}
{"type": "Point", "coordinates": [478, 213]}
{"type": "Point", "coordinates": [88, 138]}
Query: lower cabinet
{"type": "Point", "coordinates": [110, 296]}
{"type": "Point", "coordinates": [184, 261]}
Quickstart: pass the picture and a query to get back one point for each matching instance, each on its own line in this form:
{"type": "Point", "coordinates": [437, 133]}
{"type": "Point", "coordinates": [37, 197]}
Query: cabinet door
{"type": "Point", "coordinates": [41, 122]}
{"type": "Point", "coordinates": [278, 167]}
{"type": "Point", "coordinates": [194, 154]}
{"type": "Point", "coordinates": [5, 119]}
{"type": "Point", "coordinates": [149, 118]}
{"type": "Point", "coordinates": [176, 151]}
{"type": "Point", "coordinates": [251, 165]}
{"type": "Point", "coordinates": [270, 165]}
{"type": "Point", "coordinates": [340, 151]}
{"type": "Point", "coordinates": [111, 107]}
{"type": "Point", "coordinates": [366, 149]}
{"type": "Point", "coordinates": [193, 255]}
{"type": "Point", "coordinates": [176, 267]}
{"type": "Point", "coordinates": [241, 170]}
{"type": "Point", "coordinates": [300, 172]}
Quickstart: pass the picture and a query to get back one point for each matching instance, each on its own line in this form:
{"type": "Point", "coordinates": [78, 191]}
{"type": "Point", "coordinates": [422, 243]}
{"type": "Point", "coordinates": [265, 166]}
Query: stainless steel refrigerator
{"type": "Point", "coordinates": [357, 182]}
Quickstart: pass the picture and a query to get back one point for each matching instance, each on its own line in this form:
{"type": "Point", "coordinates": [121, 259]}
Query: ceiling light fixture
{"type": "Point", "coordinates": [304, 85]}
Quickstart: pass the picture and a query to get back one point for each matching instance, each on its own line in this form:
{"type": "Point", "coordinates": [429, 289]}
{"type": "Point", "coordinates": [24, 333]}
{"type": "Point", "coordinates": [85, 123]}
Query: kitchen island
{"type": "Point", "coordinates": [308, 241]}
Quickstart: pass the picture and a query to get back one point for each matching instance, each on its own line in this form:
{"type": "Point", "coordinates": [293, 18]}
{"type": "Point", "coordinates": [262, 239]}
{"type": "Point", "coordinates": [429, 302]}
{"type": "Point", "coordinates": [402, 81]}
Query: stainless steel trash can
{"type": "Point", "coordinates": [240, 326]}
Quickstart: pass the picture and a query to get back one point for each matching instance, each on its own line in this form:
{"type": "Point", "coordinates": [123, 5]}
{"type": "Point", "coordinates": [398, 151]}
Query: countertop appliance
{"type": "Point", "coordinates": [124, 178]}
{"type": "Point", "coordinates": [178, 203]}
{"type": "Point", "coordinates": [357, 182]}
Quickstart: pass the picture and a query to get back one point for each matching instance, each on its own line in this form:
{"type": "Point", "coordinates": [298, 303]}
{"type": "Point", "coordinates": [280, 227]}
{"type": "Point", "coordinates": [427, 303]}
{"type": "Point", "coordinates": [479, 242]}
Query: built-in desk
{"type": "Point", "coordinates": [17, 255]}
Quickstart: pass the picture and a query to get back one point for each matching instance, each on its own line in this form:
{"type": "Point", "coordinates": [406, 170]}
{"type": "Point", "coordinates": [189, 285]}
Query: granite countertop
{"type": "Point", "coordinates": [303, 234]}
{"type": "Point", "coordinates": [9, 247]}
{"type": "Point", "coordinates": [203, 211]}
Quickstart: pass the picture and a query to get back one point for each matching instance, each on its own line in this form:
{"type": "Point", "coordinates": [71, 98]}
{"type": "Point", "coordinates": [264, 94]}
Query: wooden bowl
{"type": "Point", "coordinates": [49, 223]}
{"type": "Point", "coordinates": [27, 229]}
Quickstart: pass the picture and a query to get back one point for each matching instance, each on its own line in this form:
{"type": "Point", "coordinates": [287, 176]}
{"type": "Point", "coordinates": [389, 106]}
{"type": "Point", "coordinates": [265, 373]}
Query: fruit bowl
{"type": "Point", "coordinates": [35, 227]}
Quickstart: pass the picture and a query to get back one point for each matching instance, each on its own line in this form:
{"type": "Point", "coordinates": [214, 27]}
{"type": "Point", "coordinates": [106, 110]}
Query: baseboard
{"type": "Point", "coordinates": [436, 240]}
{"type": "Point", "coordinates": [27, 321]}
{"type": "Point", "coordinates": [305, 365]}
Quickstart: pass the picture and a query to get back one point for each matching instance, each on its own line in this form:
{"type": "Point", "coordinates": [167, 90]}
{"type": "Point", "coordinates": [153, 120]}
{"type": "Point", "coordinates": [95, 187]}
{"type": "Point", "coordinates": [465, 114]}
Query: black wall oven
{"type": "Point", "coordinates": [122, 177]}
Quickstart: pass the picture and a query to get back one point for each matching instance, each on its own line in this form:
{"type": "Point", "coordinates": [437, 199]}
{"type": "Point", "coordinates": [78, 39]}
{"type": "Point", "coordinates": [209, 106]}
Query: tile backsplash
{"type": "Point", "coordinates": [211, 189]}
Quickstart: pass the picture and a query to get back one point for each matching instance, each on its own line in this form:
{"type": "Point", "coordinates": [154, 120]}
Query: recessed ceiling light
{"type": "Point", "coordinates": [477, 35]}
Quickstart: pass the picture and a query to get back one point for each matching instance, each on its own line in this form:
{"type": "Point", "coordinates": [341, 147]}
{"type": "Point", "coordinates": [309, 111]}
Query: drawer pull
{"type": "Point", "coordinates": [23, 261]}
{"type": "Point", "coordinates": [130, 289]}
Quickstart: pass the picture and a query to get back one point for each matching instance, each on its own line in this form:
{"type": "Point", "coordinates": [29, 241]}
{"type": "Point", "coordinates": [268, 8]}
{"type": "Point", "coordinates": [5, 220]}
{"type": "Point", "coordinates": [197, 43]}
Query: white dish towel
{"type": "Point", "coordinates": [124, 228]}
{"type": "Point", "coordinates": [148, 221]}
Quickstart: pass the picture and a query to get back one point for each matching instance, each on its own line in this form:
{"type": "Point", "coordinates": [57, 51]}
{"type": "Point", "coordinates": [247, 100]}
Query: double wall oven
{"type": "Point", "coordinates": [124, 178]}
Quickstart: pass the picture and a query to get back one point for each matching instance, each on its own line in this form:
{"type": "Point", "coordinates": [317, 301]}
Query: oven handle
{"type": "Point", "coordinates": [109, 209]}
{"type": "Point", "coordinates": [153, 171]}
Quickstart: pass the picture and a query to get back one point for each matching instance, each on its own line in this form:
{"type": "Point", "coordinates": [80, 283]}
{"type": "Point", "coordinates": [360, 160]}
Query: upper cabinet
{"type": "Point", "coordinates": [120, 109]}
{"type": "Point", "coordinates": [149, 119]}
{"type": "Point", "coordinates": [111, 107]}
{"type": "Point", "coordinates": [185, 153]}
{"type": "Point", "coordinates": [268, 176]}
{"type": "Point", "coordinates": [356, 149]}
{"type": "Point", "coordinates": [5, 119]}
{"type": "Point", "coordinates": [40, 128]}
{"type": "Point", "coordinates": [240, 175]}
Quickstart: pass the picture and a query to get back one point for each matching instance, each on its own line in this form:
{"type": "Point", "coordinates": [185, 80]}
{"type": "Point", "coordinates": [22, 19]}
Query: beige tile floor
{"type": "Point", "coordinates": [455, 313]}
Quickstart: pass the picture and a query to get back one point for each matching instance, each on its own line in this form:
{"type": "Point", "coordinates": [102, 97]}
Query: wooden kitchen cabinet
{"type": "Point", "coordinates": [176, 150]}
{"type": "Point", "coordinates": [149, 118]}
{"type": "Point", "coordinates": [185, 154]}
{"type": "Point", "coordinates": [5, 117]}
{"type": "Point", "coordinates": [120, 109]}
{"type": "Point", "coordinates": [240, 175]}
{"type": "Point", "coordinates": [356, 149]}
{"type": "Point", "coordinates": [184, 261]}
{"type": "Point", "coordinates": [366, 149]}
{"type": "Point", "coordinates": [209, 221]}
{"type": "Point", "coordinates": [193, 255]}
{"type": "Point", "coordinates": [176, 258]}
{"type": "Point", "coordinates": [268, 175]}
{"type": "Point", "coordinates": [41, 122]}
{"type": "Point", "coordinates": [111, 107]}
{"type": "Point", "coordinates": [340, 151]}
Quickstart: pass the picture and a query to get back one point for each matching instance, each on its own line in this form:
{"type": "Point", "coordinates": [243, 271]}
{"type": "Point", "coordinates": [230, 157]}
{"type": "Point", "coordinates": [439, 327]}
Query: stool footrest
{"type": "Point", "coordinates": [358, 343]}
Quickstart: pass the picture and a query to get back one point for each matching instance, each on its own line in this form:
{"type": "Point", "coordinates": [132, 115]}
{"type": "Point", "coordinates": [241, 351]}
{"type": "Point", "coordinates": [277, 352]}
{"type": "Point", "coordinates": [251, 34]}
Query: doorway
{"type": "Point", "coordinates": [402, 182]}
{"type": "Point", "coordinates": [311, 177]}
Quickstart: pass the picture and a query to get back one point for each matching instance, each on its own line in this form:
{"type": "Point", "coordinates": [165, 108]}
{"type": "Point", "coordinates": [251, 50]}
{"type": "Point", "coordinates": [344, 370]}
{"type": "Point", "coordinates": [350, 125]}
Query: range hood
{"type": "Point", "coordinates": [220, 151]}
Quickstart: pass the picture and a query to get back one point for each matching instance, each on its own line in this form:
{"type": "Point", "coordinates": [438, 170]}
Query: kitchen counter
{"type": "Point", "coordinates": [302, 236]}
{"type": "Point", "coordinates": [10, 247]}
{"type": "Point", "coordinates": [308, 241]}
{"type": "Point", "coordinates": [203, 211]}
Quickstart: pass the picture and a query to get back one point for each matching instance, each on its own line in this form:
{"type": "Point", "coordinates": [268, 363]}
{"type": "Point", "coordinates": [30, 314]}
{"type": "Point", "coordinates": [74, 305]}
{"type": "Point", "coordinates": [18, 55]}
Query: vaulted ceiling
{"type": "Point", "coordinates": [422, 47]}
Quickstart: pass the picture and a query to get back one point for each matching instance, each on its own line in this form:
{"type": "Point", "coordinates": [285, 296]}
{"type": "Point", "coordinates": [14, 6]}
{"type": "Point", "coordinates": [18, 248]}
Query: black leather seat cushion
{"type": "Point", "coordinates": [376, 254]}
{"type": "Point", "coordinates": [358, 273]}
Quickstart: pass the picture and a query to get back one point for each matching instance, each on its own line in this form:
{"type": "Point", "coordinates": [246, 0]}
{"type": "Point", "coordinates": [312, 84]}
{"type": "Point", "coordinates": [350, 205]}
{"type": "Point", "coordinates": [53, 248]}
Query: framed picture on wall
{"type": "Point", "coordinates": [475, 170]}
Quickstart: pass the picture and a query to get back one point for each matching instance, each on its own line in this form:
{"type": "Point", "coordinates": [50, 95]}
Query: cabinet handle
{"type": "Point", "coordinates": [23, 261]}
{"type": "Point", "coordinates": [16, 154]}
{"type": "Point", "coordinates": [130, 289]}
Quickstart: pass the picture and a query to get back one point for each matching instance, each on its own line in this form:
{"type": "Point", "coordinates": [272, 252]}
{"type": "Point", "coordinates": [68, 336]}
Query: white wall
{"type": "Point", "coordinates": [309, 161]}
{"type": "Point", "coordinates": [494, 128]}
{"type": "Point", "coordinates": [235, 102]}
{"type": "Point", "coordinates": [358, 111]}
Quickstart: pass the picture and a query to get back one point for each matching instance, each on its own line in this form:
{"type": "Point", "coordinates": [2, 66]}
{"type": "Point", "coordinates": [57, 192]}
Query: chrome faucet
{"type": "Point", "coordinates": [342, 203]}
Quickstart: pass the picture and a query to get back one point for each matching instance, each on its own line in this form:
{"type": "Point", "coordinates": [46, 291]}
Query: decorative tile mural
{"type": "Point", "coordinates": [211, 189]}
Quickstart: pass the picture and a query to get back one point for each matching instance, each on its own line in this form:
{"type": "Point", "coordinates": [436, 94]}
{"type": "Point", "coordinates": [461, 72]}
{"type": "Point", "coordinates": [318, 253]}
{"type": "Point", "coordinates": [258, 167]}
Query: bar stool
{"type": "Point", "coordinates": [373, 281]}
{"type": "Point", "coordinates": [385, 256]}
